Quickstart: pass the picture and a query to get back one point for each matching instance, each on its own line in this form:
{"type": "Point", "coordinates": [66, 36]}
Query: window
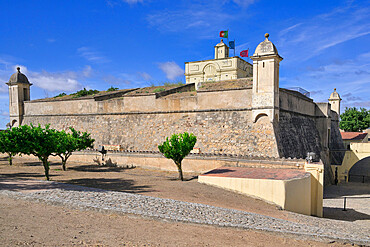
{"type": "Point", "coordinates": [25, 94]}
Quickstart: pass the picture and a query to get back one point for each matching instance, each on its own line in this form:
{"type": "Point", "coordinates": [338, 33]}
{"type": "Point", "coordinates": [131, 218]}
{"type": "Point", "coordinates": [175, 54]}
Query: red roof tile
{"type": "Point", "coordinates": [353, 135]}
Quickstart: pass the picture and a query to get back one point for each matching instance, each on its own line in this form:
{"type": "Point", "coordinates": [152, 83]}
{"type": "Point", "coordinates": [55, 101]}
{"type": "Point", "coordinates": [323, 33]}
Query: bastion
{"type": "Point", "coordinates": [242, 117]}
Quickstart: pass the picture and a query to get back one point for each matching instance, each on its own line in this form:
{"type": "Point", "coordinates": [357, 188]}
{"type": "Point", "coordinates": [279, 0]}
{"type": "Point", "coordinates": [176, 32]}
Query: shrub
{"type": "Point", "coordinates": [111, 89]}
{"type": "Point", "coordinates": [177, 148]}
{"type": "Point", "coordinates": [84, 92]}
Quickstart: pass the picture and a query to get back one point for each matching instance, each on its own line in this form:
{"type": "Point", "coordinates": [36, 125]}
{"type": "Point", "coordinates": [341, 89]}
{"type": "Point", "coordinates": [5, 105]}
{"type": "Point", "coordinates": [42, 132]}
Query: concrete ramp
{"type": "Point", "coordinates": [288, 188]}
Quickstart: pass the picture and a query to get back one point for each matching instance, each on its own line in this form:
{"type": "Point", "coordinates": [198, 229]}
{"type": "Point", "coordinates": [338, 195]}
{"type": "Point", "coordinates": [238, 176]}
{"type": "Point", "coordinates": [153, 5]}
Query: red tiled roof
{"type": "Point", "coordinates": [257, 173]}
{"type": "Point", "coordinates": [353, 135]}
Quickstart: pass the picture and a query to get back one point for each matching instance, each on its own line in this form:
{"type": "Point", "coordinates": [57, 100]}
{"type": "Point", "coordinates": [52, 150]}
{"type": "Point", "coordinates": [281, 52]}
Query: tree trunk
{"type": "Point", "coordinates": [180, 171]}
{"type": "Point", "coordinates": [64, 164]}
{"type": "Point", "coordinates": [64, 160]}
{"type": "Point", "coordinates": [46, 167]}
{"type": "Point", "coordinates": [10, 159]}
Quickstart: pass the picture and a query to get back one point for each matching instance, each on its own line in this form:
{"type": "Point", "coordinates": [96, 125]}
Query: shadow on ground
{"type": "Point", "coordinates": [114, 184]}
{"type": "Point", "coordinates": [185, 179]}
{"type": "Point", "coordinates": [347, 189]}
{"type": "Point", "coordinates": [25, 175]}
{"type": "Point", "coordinates": [16, 183]}
{"type": "Point", "coordinates": [348, 215]}
{"type": "Point", "coordinates": [3, 158]}
{"type": "Point", "coordinates": [39, 163]}
{"type": "Point", "coordinates": [97, 168]}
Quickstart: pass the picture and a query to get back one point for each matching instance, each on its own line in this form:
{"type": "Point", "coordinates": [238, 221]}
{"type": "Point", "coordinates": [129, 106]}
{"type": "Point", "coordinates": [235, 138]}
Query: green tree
{"type": "Point", "coordinates": [70, 142]}
{"type": "Point", "coordinates": [177, 148]}
{"type": "Point", "coordinates": [39, 141]}
{"type": "Point", "coordinates": [355, 120]}
{"type": "Point", "coordinates": [9, 143]}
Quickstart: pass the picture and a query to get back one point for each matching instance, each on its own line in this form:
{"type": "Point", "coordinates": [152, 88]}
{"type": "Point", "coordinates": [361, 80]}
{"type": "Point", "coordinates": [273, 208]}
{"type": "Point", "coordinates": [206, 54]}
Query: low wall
{"type": "Point", "coordinates": [292, 195]}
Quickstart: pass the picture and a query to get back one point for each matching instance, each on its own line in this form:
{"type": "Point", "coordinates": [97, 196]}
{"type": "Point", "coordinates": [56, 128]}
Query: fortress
{"type": "Point", "coordinates": [234, 108]}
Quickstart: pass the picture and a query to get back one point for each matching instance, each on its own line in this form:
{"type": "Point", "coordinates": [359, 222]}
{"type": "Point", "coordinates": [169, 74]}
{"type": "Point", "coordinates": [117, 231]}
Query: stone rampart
{"type": "Point", "coordinates": [221, 120]}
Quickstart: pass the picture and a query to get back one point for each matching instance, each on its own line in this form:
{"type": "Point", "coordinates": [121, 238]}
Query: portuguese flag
{"type": "Point", "coordinates": [224, 34]}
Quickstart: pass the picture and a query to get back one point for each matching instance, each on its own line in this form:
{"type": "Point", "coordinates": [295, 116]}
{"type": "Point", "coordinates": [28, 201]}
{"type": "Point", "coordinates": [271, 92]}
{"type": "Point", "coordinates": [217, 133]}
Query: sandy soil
{"type": "Point", "coordinates": [37, 224]}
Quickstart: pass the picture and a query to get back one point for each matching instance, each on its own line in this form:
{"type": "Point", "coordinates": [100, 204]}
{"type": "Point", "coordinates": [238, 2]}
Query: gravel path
{"type": "Point", "coordinates": [168, 209]}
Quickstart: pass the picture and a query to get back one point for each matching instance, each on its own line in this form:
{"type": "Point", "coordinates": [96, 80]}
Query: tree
{"type": "Point", "coordinates": [9, 143]}
{"type": "Point", "coordinates": [177, 148]}
{"type": "Point", "coordinates": [39, 141]}
{"type": "Point", "coordinates": [355, 120]}
{"type": "Point", "coordinates": [70, 142]}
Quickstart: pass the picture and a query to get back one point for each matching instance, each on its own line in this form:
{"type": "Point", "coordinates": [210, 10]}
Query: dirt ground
{"type": "Point", "coordinates": [32, 223]}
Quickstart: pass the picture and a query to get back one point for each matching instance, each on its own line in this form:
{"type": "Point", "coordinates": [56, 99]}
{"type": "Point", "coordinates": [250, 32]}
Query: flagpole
{"type": "Point", "coordinates": [248, 55]}
{"type": "Point", "coordinates": [234, 47]}
{"type": "Point", "coordinates": [227, 36]}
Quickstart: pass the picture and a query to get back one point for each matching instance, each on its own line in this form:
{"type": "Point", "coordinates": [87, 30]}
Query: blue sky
{"type": "Point", "coordinates": [64, 46]}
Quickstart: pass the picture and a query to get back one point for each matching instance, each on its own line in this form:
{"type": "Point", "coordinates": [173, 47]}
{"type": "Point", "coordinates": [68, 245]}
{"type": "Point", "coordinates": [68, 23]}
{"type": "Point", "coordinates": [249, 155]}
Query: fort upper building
{"type": "Point", "coordinates": [246, 115]}
{"type": "Point", "coordinates": [221, 68]}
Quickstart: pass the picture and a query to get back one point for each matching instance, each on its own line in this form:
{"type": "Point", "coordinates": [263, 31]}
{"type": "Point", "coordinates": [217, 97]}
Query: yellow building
{"type": "Point", "coordinates": [222, 67]}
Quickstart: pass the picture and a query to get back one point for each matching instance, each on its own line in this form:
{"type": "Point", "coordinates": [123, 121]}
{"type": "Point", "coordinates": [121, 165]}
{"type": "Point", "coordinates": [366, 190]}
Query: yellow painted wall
{"type": "Point", "coordinates": [357, 152]}
{"type": "Point", "coordinates": [317, 187]}
{"type": "Point", "coordinates": [293, 195]}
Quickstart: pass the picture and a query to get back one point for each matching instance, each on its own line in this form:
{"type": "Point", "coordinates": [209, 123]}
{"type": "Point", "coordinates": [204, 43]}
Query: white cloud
{"type": "Point", "coordinates": [311, 37]}
{"type": "Point", "coordinates": [4, 113]}
{"type": "Point", "coordinates": [206, 17]}
{"type": "Point", "coordinates": [87, 71]}
{"type": "Point", "coordinates": [171, 69]}
{"type": "Point", "coordinates": [58, 81]}
{"type": "Point", "coordinates": [55, 81]}
{"type": "Point", "coordinates": [114, 80]}
{"type": "Point", "coordinates": [3, 88]}
{"type": "Point", "coordinates": [133, 1]}
{"type": "Point", "coordinates": [91, 55]}
{"type": "Point", "coordinates": [24, 69]}
{"type": "Point", "coordinates": [244, 3]}
{"type": "Point", "coordinates": [145, 75]}
{"type": "Point", "coordinates": [50, 40]}
{"type": "Point", "coordinates": [350, 77]}
{"type": "Point", "coordinates": [113, 3]}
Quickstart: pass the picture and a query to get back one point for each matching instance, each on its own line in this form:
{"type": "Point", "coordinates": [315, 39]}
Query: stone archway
{"type": "Point", "coordinates": [210, 73]}
{"type": "Point", "coordinates": [360, 171]}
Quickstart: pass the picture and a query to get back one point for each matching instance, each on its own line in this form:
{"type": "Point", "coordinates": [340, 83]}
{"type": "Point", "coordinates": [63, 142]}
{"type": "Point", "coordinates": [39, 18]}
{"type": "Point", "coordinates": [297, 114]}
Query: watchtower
{"type": "Point", "coordinates": [19, 91]}
{"type": "Point", "coordinates": [334, 101]}
{"type": "Point", "coordinates": [221, 50]}
{"type": "Point", "coordinates": [265, 94]}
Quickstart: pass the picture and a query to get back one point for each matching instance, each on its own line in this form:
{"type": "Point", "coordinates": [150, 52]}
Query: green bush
{"type": "Point", "coordinates": [111, 89]}
{"type": "Point", "coordinates": [60, 95]}
{"type": "Point", "coordinates": [177, 148]}
{"type": "Point", "coordinates": [157, 90]}
{"type": "Point", "coordinates": [84, 92]}
{"type": "Point", "coordinates": [167, 84]}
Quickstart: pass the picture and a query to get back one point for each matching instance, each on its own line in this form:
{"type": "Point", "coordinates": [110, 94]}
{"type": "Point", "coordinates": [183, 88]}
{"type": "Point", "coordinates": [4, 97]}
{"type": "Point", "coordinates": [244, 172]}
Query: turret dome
{"type": "Point", "coordinates": [334, 95]}
{"type": "Point", "coordinates": [18, 77]}
{"type": "Point", "coordinates": [266, 47]}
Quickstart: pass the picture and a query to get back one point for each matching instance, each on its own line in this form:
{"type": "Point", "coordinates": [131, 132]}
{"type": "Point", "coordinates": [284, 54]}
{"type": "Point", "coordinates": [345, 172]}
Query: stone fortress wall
{"type": "Point", "coordinates": [221, 120]}
{"type": "Point", "coordinates": [256, 118]}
